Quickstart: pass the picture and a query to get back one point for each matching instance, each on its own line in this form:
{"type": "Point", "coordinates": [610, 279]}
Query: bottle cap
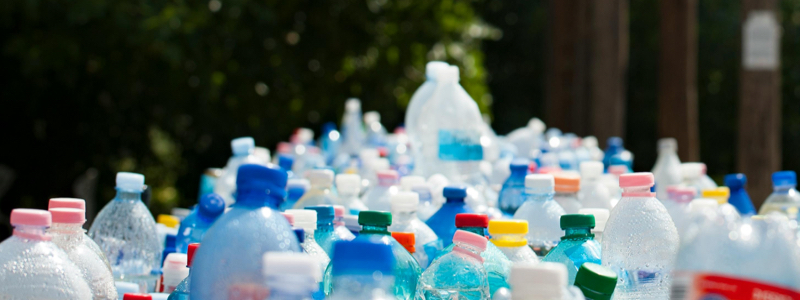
{"type": "Point", "coordinates": [691, 170]}
{"type": "Point", "coordinates": [720, 194]}
{"type": "Point", "coordinates": [615, 142]}
{"type": "Point", "coordinates": [380, 164]}
{"type": "Point", "coordinates": [285, 162]}
{"type": "Point", "coordinates": [388, 175]}
{"type": "Point", "coordinates": [136, 296]}
{"type": "Point", "coordinates": [589, 142]}
{"type": "Point", "coordinates": [338, 211]}
{"type": "Point", "coordinates": [508, 227]}
{"type": "Point", "coordinates": [735, 181]}
{"type": "Point", "coordinates": [68, 215]}
{"type": "Point", "coordinates": [466, 237]}
{"type": "Point", "coordinates": [643, 179]}
{"type": "Point", "coordinates": [409, 182]}
{"type": "Point", "coordinates": [30, 217]}
{"type": "Point", "coordinates": [243, 145]}
{"type": "Point", "coordinates": [67, 203]}
{"type": "Point", "coordinates": [300, 234]}
{"type": "Point", "coordinates": [126, 288]}
{"type": "Point", "coordinates": [289, 218]}
{"type": "Point", "coordinates": [519, 165]}
{"type": "Point", "coordinates": [130, 182]}
{"type": "Point", "coordinates": [368, 155]}
{"type": "Point", "coordinates": [702, 204]}
{"type": "Point", "coordinates": [784, 178]}
{"type": "Point", "coordinates": [472, 220]}
{"type": "Point", "coordinates": [600, 217]}
{"type": "Point", "coordinates": [262, 179]}
{"type": "Point", "coordinates": [362, 257]}
{"type": "Point", "coordinates": [190, 253]}
{"type": "Point", "coordinates": [211, 206]}
{"type": "Point", "coordinates": [668, 144]}
{"type": "Point", "coordinates": [404, 202]}
{"type": "Point", "coordinates": [374, 218]}
{"type": "Point", "coordinates": [298, 183]}
{"type": "Point", "coordinates": [304, 218]}
{"type": "Point", "coordinates": [455, 192]}
{"type": "Point", "coordinates": [566, 183]}
{"type": "Point", "coordinates": [292, 264]}
{"type": "Point", "coordinates": [348, 183]}
{"type": "Point", "coordinates": [591, 169]}
{"type": "Point", "coordinates": [618, 169]}
{"type": "Point", "coordinates": [595, 281]}
{"type": "Point", "coordinates": [433, 68]}
{"type": "Point", "coordinates": [320, 177]}
{"type": "Point", "coordinates": [175, 266]}
{"type": "Point", "coordinates": [545, 279]}
{"type": "Point", "coordinates": [372, 117]}
{"type": "Point", "coordinates": [406, 239]}
{"type": "Point", "coordinates": [352, 105]}
{"type": "Point", "coordinates": [544, 182]}
{"type": "Point", "coordinates": [304, 135]}
{"type": "Point", "coordinates": [168, 220]}
{"type": "Point", "coordinates": [325, 213]}
{"type": "Point", "coordinates": [577, 221]}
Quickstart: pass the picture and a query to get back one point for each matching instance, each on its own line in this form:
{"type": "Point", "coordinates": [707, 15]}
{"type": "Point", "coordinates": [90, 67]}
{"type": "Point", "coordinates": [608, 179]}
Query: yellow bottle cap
{"type": "Point", "coordinates": [499, 228]}
{"type": "Point", "coordinates": [169, 221]}
{"type": "Point", "coordinates": [720, 194]}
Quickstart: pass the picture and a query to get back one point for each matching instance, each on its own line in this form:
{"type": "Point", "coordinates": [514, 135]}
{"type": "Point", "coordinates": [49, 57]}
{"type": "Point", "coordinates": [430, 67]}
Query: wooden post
{"type": "Point", "coordinates": [608, 67]}
{"type": "Point", "coordinates": [677, 82]}
{"type": "Point", "coordinates": [759, 149]}
{"type": "Point", "coordinates": [561, 64]}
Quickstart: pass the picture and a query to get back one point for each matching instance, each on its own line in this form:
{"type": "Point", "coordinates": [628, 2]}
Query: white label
{"type": "Point", "coordinates": [761, 41]}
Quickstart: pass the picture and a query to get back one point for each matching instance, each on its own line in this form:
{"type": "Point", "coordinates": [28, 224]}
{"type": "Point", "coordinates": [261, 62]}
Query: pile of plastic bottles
{"type": "Point", "coordinates": [442, 208]}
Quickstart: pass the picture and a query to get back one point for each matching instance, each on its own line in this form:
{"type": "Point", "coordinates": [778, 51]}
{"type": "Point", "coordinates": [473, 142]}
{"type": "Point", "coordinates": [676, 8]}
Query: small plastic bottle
{"type": "Point", "coordinates": [512, 195]}
{"type": "Point", "coordinates": [325, 234]}
{"type": "Point", "coordinates": [243, 153]}
{"type": "Point", "coordinates": [542, 213]}
{"type": "Point", "coordinates": [593, 193]}
{"type": "Point", "coordinates": [509, 237]}
{"type": "Point", "coordinates": [577, 246]}
{"type": "Point", "coordinates": [739, 196]}
{"type": "Point", "coordinates": [404, 215]}
{"type": "Point", "coordinates": [339, 226]}
{"type": "Point", "coordinates": [567, 187]}
{"type": "Point", "coordinates": [307, 220]}
{"type": "Point", "coordinates": [194, 226]}
{"type": "Point", "coordinates": [443, 222]}
{"type": "Point", "coordinates": [378, 197]}
{"type": "Point", "coordinates": [458, 274]}
{"type": "Point", "coordinates": [320, 192]}
{"type": "Point", "coordinates": [784, 199]}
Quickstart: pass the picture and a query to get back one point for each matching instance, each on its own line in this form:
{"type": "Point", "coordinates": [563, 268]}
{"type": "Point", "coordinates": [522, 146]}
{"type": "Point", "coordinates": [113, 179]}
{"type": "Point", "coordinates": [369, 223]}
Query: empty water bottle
{"type": "Point", "coordinates": [418, 185]}
{"type": "Point", "coordinates": [595, 281]}
{"type": "Point", "coordinates": [352, 128]}
{"type": "Point", "coordinates": [443, 222]}
{"type": "Point", "coordinates": [81, 205]}
{"type": "Point", "coordinates": [320, 192]}
{"type": "Point", "coordinates": [349, 188]}
{"type": "Point", "coordinates": [362, 270]}
{"type": "Point", "coordinates": [243, 153]}
{"type": "Point", "coordinates": [542, 281]}
{"type": "Point", "coordinates": [509, 237]}
{"type": "Point", "coordinates": [542, 213]}
{"type": "Point", "coordinates": [614, 146]}
{"type": "Point", "coordinates": [739, 196]}
{"type": "Point", "coordinates": [512, 195]}
{"type": "Point", "coordinates": [567, 187]}
{"type": "Point", "coordinates": [577, 246]}
{"type": "Point", "coordinates": [418, 100]}
{"type": "Point", "coordinates": [458, 274]}
{"type": "Point", "coordinates": [327, 233]}
{"type": "Point", "coordinates": [378, 197]}
{"type": "Point", "coordinates": [306, 219]}
{"type": "Point", "coordinates": [181, 291]}
{"type": "Point", "coordinates": [784, 198]}
{"type": "Point", "coordinates": [175, 270]}
{"type": "Point", "coordinates": [667, 170]}
{"type": "Point", "coordinates": [291, 276]}
{"type": "Point", "coordinates": [593, 194]}
{"type": "Point", "coordinates": [692, 173]}
{"type": "Point", "coordinates": [376, 133]}
{"type": "Point", "coordinates": [195, 225]}
{"type": "Point", "coordinates": [404, 215]}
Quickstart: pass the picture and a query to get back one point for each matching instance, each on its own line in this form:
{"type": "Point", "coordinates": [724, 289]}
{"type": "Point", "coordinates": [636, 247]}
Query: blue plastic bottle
{"type": "Point", "coordinates": [458, 274]}
{"type": "Point", "coordinates": [233, 247]}
{"type": "Point", "coordinates": [613, 147]}
{"type": "Point", "coordinates": [785, 198]}
{"type": "Point", "coordinates": [325, 234]}
{"type": "Point", "coordinates": [443, 222]}
{"type": "Point", "coordinates": [195, 225]}
{"type": "Point", "coordinates": [512, 195]}
{"type": "Point", "coordinates": [330, 141]}
{"type": "Point", "coordinates": [286, 162]}
{"type": "Point", "coordinates": [362, 270]}
{"type": "Point", "coordinates": [182, 292]}
{"type": "Point", "coordinates": [577, 246]}
{"type": "Point", "coordinates": [169, 247]}
{"type": "Point", "coordinates": [295, 189]}
{"type": "Point", "coordinates": [739, 197]}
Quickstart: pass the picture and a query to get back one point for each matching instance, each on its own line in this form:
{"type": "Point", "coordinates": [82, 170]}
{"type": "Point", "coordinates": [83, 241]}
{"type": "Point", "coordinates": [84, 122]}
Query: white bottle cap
{"type": "Point", "coordinates": [591, 169]}
{"type": "Point", "coordinates": [126, 287]}
{"type": "Point", "coordinates": [243, 145]}
{"type": "Point", "coordinates": [263, 154]}
{"type": "Point", "coordinates": [368, 154]}
{"type": "Point", "coordinates": [409, 182]}
{"type": "Point", "coordinates": [589, 142]}
{"type": "Point", "coordinates": [372, 117]}
{"type": "Point", "coordinates": [380, 164]}
{"type": "Point", "coordinates": [130, 182]}
{"type": "Point", "coordinates": [292, 264]}
{"type": "Point", "coordinates": [540, 181]}
{"type": "Point", "coordinates": [600, 217]}
{"type": "Point", "coordinates": [321, 177]}
{"type": "Point", "coordinates": [702, 204]}
{"type": "Point", "coordinates": [536, 125]}
{"type": "Point", "coordinates": [175, 270]}
{"type": "Point", "coordinates": [304, 218]}
{"type": "Point", "coordinates": [691, 170]}
{"type": "Point", "coordinates": [352, 105]}
{"type": "Point", "coordinates": [305, 135]}
{"type": "Point", "coordinates": [348, 183]}
{"type": "Point", "coordinates": [547, 280]}
{"type": "Point", "coordinates": [404, 202]}
{"type": "Point", "coordinates": [298, 183]}
{"type": "Point", "coordinates": [434, 68]}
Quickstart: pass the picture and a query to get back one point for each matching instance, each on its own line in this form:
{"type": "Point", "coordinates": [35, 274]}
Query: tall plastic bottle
{"type": "Point", "coordinates": [593, 193]}
{"type": "Point", "coordinates": [326, 234]}
{"type": "Point", "coordinates": [349, 188]}
{"type": "Point", "coordinates": [81, 205]}
{"type": "Point", "coordinates": [427, 205]}
{"type": "Point", "coordinates": [692, 173]}
{"type": "Point", "coordinates": [291, 276]}
{"type": "Point", "coordinates": [243, 153]}
{"type": "Point", "coordinates": [195, 225]}
{"type": "Point", "coordinates": [378, 197]}
{"type": "Point", "coordinates": [784, 198]}
{"type": "Point", "coordinates": [126, 231]}
{"type": "Point", "coordinates": [232, 248]}
{"type": "Point", "coordinates": [182, 292]}
{"type": "Point", "coordinates": [614, 146]}
{"type": "Point", "coordinates": [404, 215]}
{"type": "Point", "coordinates": [739, 196]}
{"type": "Point", "coordinates": [417, 102]}
{"type": "Point", "coordinates": [640, 242]}
{"type": "Point", "coordinates": [376, 133]}
{"type": "Point", "coordinates": [175, 270]}
{"type": "Point", "coordinates": [667, 170]}
{"type": "Point", "coordinates": [595, 281]}
{"type": "Point", "coordinates": [509, 237]}
{"type": "Point", "coordinates": [320, 192]}
{"type": "Point", "coordinates": [67, 234]}
{"type": "Point", "coordinates": [567, 187]}
{"type": "Point", "coordinates": [458, 274]}
{"type": "Point", "coordinates": [577, 246]}
{"type": "Point", "coordinates": [352, 128]}
{"type": "Point", "coordinates": [512, 195]}
{"type": "Point", "coordinates": [32, 267]}
{"type": "Point", "coordinates": [542, 213]}
{"type": "Point", "coordinates": [363, 270]}
{"type": "Point", "coordinates": [443, 222]}
{"type": "Point", "coordinates": [306, 219]}
{"type": "Point", "coordinates": [677, 204]}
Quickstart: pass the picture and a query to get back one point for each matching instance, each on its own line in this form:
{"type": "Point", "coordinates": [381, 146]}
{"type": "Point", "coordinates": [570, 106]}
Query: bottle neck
{"type": "Point", "coordinates": [583, 233]}
{"type": "Point", "coordinates": [637, 191]}
{"type": "Point", "coordinates": [36, 233]}
{"type": "Point", "coordinates": [403, 217]}
{"type": "Point", "coordinates": [783, 188]}
{"type": "Point", "coordinates": [538, 195]}
{"type": "Point", "coordinates": [371, 229]}
{"type": "Point", "coordinates": [475, 230]}
{"type": "Point", "coordinates": [509, 240]}
{"type": "Point", "coordinates": [128, 196]}
{"type": "Point", "coordinates": [257, 198]}
{"type": "Point", "coordinates": [455, 200]}
{"type": "Point", "coordinates": [468, 251]}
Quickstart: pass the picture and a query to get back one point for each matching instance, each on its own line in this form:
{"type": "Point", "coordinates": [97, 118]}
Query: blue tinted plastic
{"type": "Point", "coordinates": [195, 225]}
{"type": "Point", "coordinates": [739, 197]}
{"type": "Point", "coordinates": [443, 222]}
{"type": "Point", "coordinates": [512, 194]}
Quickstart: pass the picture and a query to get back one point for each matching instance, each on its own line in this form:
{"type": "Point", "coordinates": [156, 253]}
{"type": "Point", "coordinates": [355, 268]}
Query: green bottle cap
{"type": "Point", "coordinates": [577, 221]}
{"type": "Point", "coordinates": [374, 218]}
{"type": "Point", "coordinates": [595, 281]}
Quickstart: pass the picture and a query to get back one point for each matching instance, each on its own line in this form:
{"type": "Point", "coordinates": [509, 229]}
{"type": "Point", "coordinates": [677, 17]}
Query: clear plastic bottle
{"type": "Point", "coordinates": [81, 205]}
{"type": "Point", "coordinates": [512, 195]}
{"type": "Point", "coordinates": [567, 187]}
{"type": "Point", "coordinates": [706, 180]}
{"type": "Point", "coordinates": [577, 246]}
{"type": "Point", "coordinates": [126, 232]}
{"type": "Point", "coordinates": [458, 274]}
{"type": "Point", "coordinates": [67, 234]}
{"type": "Point", "coordinates": [640, 242]}
{"type": "Point", "coordinates": [306, 219]}
{"type": "Point", "coordinates": [593, 194]}
{"type": "Point", "coordinates": [542, 281]}
{"type": "Point", "coordinates": [600, 218]}
{"type": "Point", "coordinates": [32, 267]}
{"type": "Point", "coordinates": [175, 270]}
{"type": "Point", "coordinates": [542, 213]}
{"type": "Point", "coordinates": [326, 234]}
{"type": "Point", "coordinates": [352, 128]}
{"type": "Point", "coordinates": [417, 102]}
{"type": "Point", "coordinates": [595, 281]}
{"type": "Point", "coordinates": [243, 153]}
{"type": "Point", "coordinates": [320, 192]}
{"type": "Point", "coordinates": [667, 170]}
{"type": "Point", "coordinates": [291, 276]}
{"type": "Point", "coordinates": [739, 196]}
{"type": "Point", "coordinates": [443, 222]}
{"type": "Point", "coordinates": [363, 269]}
{"type": "Point", "coordinates": [194, 226]}
{"type": "Point", "coordinates": [181, 292]}
{"type": "Point", "coordinates": [233, 247]}
{"type": "Point", "coordinates": [692, 172]}
{"type": "Point", "coordinates": [528, 138]}
{"type": "Point", "coordinates": [378, 197]}
{"type": "Point", "coordinates": [509, 237]}
{"type": "Point", "coordinates": [376, 133]}
{"type": "Point", "coordinates": [349, 187]}
{"type": "Point", "coordinates": [784, 199]}
{"type": "Point", "coordinates": [404, 215]}
{"type": "Point", "coordinates": [677, 204]}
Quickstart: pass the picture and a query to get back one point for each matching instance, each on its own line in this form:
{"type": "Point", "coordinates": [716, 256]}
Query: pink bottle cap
{"type": "Point", "coordinates": [470, 238]}
{"type": "Point", "coordinates": [67, 203]}
{"type": "Point", "coordinates": [289, 218]}
{"type": "Point", "coordinates": [643, 179]}
{"type": "Point", "coordinates": [68, 215]}
{"type": "Point", "coordinates": [388, 175]}
{"type": "Point", "coordinates": [338, 211]}
{"type": "Point", "coordinates": [683, 194]}
{"type": "Point", "coordinates": [618, 169]}
{"type": "Point", "coordinates": [30, 217]}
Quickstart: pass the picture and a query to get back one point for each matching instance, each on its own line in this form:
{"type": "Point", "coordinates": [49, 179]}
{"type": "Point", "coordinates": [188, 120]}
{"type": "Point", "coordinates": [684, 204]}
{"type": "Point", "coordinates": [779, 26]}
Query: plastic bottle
{"type": "Point", "coordinates": [175, 270]}
{"type": "Point", "coordinates": [640, 242]}
{"type": "Point", "coordinates": [542, 281]}
{"type": "Point", "coordinates": [339, 226]}
{"type": "Point", "coordinates": [739, 197]}
{"type": "Point", "coordinates": [404, 215]}
{"type": "Point", "coordinates": [427, 203]}
{"type": "Point", "coordinates": [325, 234]}
{"type": "Point", "coordinates": [784, 199]}
{"type": "Point", "coordinates": [600, 218]}
{"type": "Point", "coordinates": [233, 247]}
{"type": "Point", "coordinates": [320, 192]}
{"type": "Point", "coordinates": [706, 180]}
{"type": "Point", "coordinates": [126, 232]}
{"type": "Point", "coordinates": [195, 225]}
{"type": "Point", "coordinates": [81, 205]}
{"type": "Point", "coordinates": [291, 276]}
{"type": "Point", "coordinates": [418, 100]}
{"type": "Point", "coordinates": [349, 188]}
{"type": "Point", "coordinates": [376, 133]}
{"type": "Point", "coordinates": [352, 128]}
{"type": "Point", "coordinates": [295, 189]}
{"type": "Point", "coordinates": [67, 234]}
{"type": "Point", "coordinates": [614, 146]}
{"type": "Point", "coordinates": [181, 291]}
{"type": "Point", "coordinates": [378, 197]}
{"type": "Point", "coordinates": [677, 204]}
{"type": "Point", "coordinates": [306, 219]}
{"type": "Point", "coordinates": [443, 222]}
{"type": "Point", "coordinates": [528, 138]}
{"type": "Point", "coordinates": [363, 270]}
{"type": "Point", "coordinates": [667, 170]}
{"type": "Point", "coordinates": [542, 212]}
{"type": "Point", "coordinates": [509, 237]}
{"type": "Point", "coordinates": [595, 281]}
{"type": "Point", "coordinates": [593, 194]}
{"type": "Point", "coordinates": [512, 195]}
{"type": "Point", "coordinates": [691, 176]}
{"type": "Point", "coordinates": [567, 187]}
{"type": "Point", "coordinates": [458, 274]}
{"type": "Point", "coordinates": [286, 162]}
{"type": "Point", "coordinates": [166, 225]}
{"type": "Point", "coordinates": [243, 153]}
{"type": "Point", "coordinates": [577, 246]}
{"type": "Point", "coordinates": [32, 267]}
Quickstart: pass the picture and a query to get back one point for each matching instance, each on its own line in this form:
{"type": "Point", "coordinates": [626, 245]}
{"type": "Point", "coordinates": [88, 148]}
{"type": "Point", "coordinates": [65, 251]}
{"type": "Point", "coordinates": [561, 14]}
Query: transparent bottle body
{"type": "Point", "coordinates": [544, 216]}
{"type": "Point", "coordinates": [667, 172]}
{"type": "Point", "coordinates": [593, 194]}
{"type": "Point", "coordinates": [515, 253]}
{"type": "Point", "coordinates": [326, 235]}
{"type": "Point", "coordinates": [512, 195]}
{"type": "Point", "coordinates": [93, 266]}
{"type": "Point", "coordinates": [455, 275]}
{"type": "Point", "coordinates": [426, 245]}
{"type": "Point", "coordinates": [784, 200]}
{"type": "Point", "coordinates": [379, 197]}
{"type": "Point", "coordinates": [363, 287]}
{"type": "Point", "coordinates": [574, 252]}
{"type": "Point", "coordinates": [569, 202]}
{"type": "Point", "coordinates": [495, 261]}
{"type": "Point", "coordinates": [316, 196]}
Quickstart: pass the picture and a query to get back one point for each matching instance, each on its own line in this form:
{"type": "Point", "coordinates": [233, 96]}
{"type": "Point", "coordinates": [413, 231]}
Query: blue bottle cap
{"type": "Point", "coordinates": [784, 178]}
{"type": "Point", "coordinates": [519, 165]}
{"type": "Point", "coordinates": [211, 206]}
{"type": "Point", "coordinates": [295, 193]}
{"type": "Point", "coordinates": [455, 192]}
{"type": "Point", "coordinates": [170, 244]}
{"type": "Point", "coordinates": [614, 141]}
{"type": "Point", "coordinates": [362, 257]}
{"type": "Point", "coordinates": [328, 127]}
{"type": "Point", "coordinates": [301, 234]}
{"type": "Point", "coordinates": [260, 178]}
{"type": "Point", "coordinates": [285, 162]}
{"type": "Point", "coordinates": [325, 213]}
{"type": "Point", "coordinates": [735, 181]}
{"type": "Point", "coordinates": [130, 182]}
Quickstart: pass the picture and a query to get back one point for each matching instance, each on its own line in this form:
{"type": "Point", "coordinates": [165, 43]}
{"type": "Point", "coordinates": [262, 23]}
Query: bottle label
{"type": "Point", "coordinates": [460, 145]}
{"type": "Point", "coordinates": [709, 286]}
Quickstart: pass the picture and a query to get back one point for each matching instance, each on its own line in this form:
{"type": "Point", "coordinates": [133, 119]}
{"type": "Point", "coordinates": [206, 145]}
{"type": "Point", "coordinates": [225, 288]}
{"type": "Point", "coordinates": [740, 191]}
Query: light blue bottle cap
{"type": "Point", "coordinates": [126, 287]}
{"type": "Point", "coordinates": [243, 145]}
{"type": "Point", "coordinates": [130, 182]}
{"type": "Point", "coordinates": [433, 68]}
